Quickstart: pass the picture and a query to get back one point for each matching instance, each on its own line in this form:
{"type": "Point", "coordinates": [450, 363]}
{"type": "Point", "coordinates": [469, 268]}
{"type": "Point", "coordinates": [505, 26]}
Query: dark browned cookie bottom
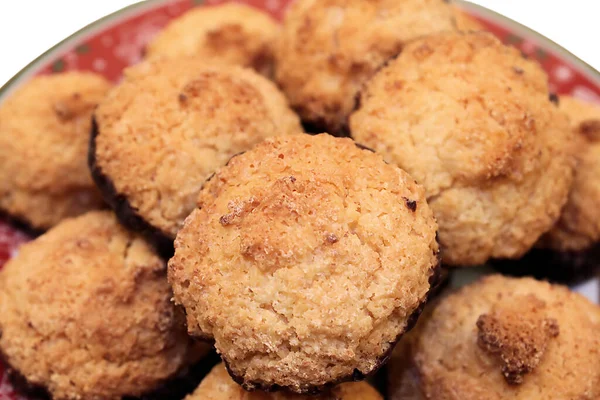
{"type": "Point", "coordinates": [318, 127]}
{"type": "Point", "coordinates": [569, 267]}
{"type": "Point", "coordinates": [126, 214]}
{"type": "Point", "coordinates": [184, 383]}
{"type": "Point", "coordinates": [435, 281]}
{"type": "Point", "coordinates": [20, 224]}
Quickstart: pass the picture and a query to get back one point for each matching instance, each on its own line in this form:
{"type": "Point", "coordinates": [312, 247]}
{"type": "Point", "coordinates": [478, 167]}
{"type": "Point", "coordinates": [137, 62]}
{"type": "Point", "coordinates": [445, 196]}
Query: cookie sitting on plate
{"type": "Point", "coordinates": [86, 313]}
{"type": "Point", "coordinates": [44, 135]}
{"type": "Point", "coordinates": [231, 33]}
{"type": "Point", "coordinates": [329, 48]}
{"type": "Point", "coordinates": [306, 259]}
{"type": "Point", "coordinates": [502, 338]}
{"type": "Point", "coordinates": [168, 126]}
{"type": "Point", "coordinates": [570, 251]}
{"type": "Point", "coordinates": [469, 118]}
{"type": "Point", "coordinates": [218, 385]}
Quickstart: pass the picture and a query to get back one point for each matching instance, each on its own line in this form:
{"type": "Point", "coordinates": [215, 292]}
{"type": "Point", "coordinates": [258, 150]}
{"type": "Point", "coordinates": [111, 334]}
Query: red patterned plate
{"type": "Point", "coordinates": [116, 41]}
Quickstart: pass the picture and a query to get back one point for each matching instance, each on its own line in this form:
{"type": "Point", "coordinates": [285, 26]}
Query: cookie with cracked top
{"type": "Point", "coordinates": [168, 126]}
{"type": "Point", "coordinates": [44, 135]}
{"type": "Point", "coordinates": [570, 251]}
{"type": "Point", "coordinates": [328, 49]}
{"type": "Point", "coordinates": [232, 33]}
{"type": "Point", "coordinates": [501, 338]}
{"type": "Point", "coordinates": [306, 259]}
{"type": "Point", "coordinates": [471, 121]}
{"type": "Point", "coordinates": [86, 312]}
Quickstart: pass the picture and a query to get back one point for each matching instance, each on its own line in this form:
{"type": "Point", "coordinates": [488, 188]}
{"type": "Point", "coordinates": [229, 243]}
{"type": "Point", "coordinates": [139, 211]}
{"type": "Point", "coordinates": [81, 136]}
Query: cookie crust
{"type": "Point", "coordinates": [161, 133]}
{"type": "Point", "coordinates": [502, 338]}
{"type": "Point", "coordinates": [56, 297]}
{"type": "Point", "coordinates": [329, 48]}
{"type": "Point", "coordinates": [44, 127]}
{"type": "Point", "coordinates": [494, 154]}
{"type": "Point", "coordinates": [289, 186]}
{"type": "Point", "coordinates": [230, 33]}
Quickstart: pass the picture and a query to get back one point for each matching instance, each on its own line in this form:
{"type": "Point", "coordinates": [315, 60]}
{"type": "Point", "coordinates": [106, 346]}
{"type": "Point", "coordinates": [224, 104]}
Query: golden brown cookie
{"type": "Point", "coordinates": [470, 120]}
{"type": "Point", "coordinates": [85, 313]}
{"type": "Point", "coordinates": [579, 225]}
{"type": "Point", "coordinates": [464, 21]}
{"type": "Point", "coordinates": [570, 252]}
{"type": "Point", "coordinates": [232, 33]}
{"type": "Point", "coordinates": [168, 126]}
{"type": "Point", "coordinates": [329, 48]}
{"type": "Point", "coordinates": [503, 338]}
{"type": "Point", "coordinates": [306, 259]}
{"type": "Point", "coordinates": [218, 385]}
{"type": "Point", "coordinates": [44, 136]}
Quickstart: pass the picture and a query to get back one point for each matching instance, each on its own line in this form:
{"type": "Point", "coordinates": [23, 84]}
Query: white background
{"type": "Point", "coordinates": [28, 28]}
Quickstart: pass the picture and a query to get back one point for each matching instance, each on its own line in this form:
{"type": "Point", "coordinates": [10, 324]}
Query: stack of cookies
{"type": "Point", "coordinates": [200, 237]}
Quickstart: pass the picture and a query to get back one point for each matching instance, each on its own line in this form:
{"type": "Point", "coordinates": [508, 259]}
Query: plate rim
{"type": "Point", "coordinates": [587, 69]}
{"type": "Point", "coordinates": [102, 23]}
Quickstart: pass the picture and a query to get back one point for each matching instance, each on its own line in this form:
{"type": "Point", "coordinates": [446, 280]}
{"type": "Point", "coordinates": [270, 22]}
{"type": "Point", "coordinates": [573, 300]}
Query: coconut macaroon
{"type": "Point", "coordinates": [306, 259]}
{"type": "Point", "coordinates": [503, 338]}
{"type": "Point", "coordinates": [578, 228]}
{"type": "Point", "coordinates": [168, 126]}
{"type": "Point", "coordinates": [85, 313]}
{"type": "Point", "coordinates": [569, 252]}
{"type": "Point", "coordinates": [231, 33]}
{"type": "Point", "coordinates": [218, 385]}
{"type": "Point", "coordinates": [44, 135]}
{"type": "Point", "coordinates": [470, 120]}
{"type": "Point", "coordinates": [329, 48]}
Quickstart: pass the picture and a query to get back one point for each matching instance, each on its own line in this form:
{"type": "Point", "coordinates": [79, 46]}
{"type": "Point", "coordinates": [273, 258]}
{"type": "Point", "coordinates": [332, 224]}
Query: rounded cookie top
{"type": "Point", "coordinates": [470, 120]}
{"type": "Point", "coordinates": [44, 135]}
{"type": "Point", "coordinates": [218, 385]}
{"type": "Point", "coordinates": [329, 48]}
{"type": "Point", "coordinates": [232, 33]}
{"type": "Point", "coordinates": [507, 338]}
{"type": "Point", "coordinates": [305, 261]}
{"type": "Point", "coordinates": [85, 312]}
{"type": "Point", "coordinates": [578, 227]}
{"type": "Point", "coordinates": [169, 125]}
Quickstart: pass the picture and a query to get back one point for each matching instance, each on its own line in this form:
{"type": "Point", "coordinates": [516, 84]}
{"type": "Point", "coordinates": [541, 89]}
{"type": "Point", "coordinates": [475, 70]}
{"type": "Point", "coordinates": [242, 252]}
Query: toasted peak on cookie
{"type": "Point", "coordinates": [577, 231]}
{"type": "Point", "coordinates": [469, 118]}
{"type": "Point", "coordinates": [502, 338]}
{"type": "Point", "coordinates": [517, 332]}
{"type": "Point", "coordinates": [232, 33]}
{"type": "Point", "coordinates": [329, 48]}
{"type": "Point", "coordinates": [584, 115]}
{"type": "Point", "coordinates": [306, 260]}
{"type": "Point", "coordinates": [93, 301]}
{"type": "Point", "coordinates": [44, 135]}
{"type": "Point", "coordinates": [168, 126]}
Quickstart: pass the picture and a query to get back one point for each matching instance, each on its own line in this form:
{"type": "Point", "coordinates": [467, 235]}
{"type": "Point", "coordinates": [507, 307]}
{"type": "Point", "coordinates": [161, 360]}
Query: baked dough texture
{"type": "Point", "coordinates": [306, 260]}
{"type": "Point", "coordinates": [329, 48]}
{"type": "Point", "coordinates": [85, 313]}
{"type": "Point", "coordinates": [503, 338]}
{"type": "Point", "coordinates": [218, 385]}
{"type": "Point", "coordinates": [578, 227]}
{"type": "Point", "coordinates": [232, 33]}
{"type": "Point", "coordinates": [169, 125]}
{"type": "Point", "coordinates": [44, 136]}
{"type": "Point", "coordinates": [470, 120]}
